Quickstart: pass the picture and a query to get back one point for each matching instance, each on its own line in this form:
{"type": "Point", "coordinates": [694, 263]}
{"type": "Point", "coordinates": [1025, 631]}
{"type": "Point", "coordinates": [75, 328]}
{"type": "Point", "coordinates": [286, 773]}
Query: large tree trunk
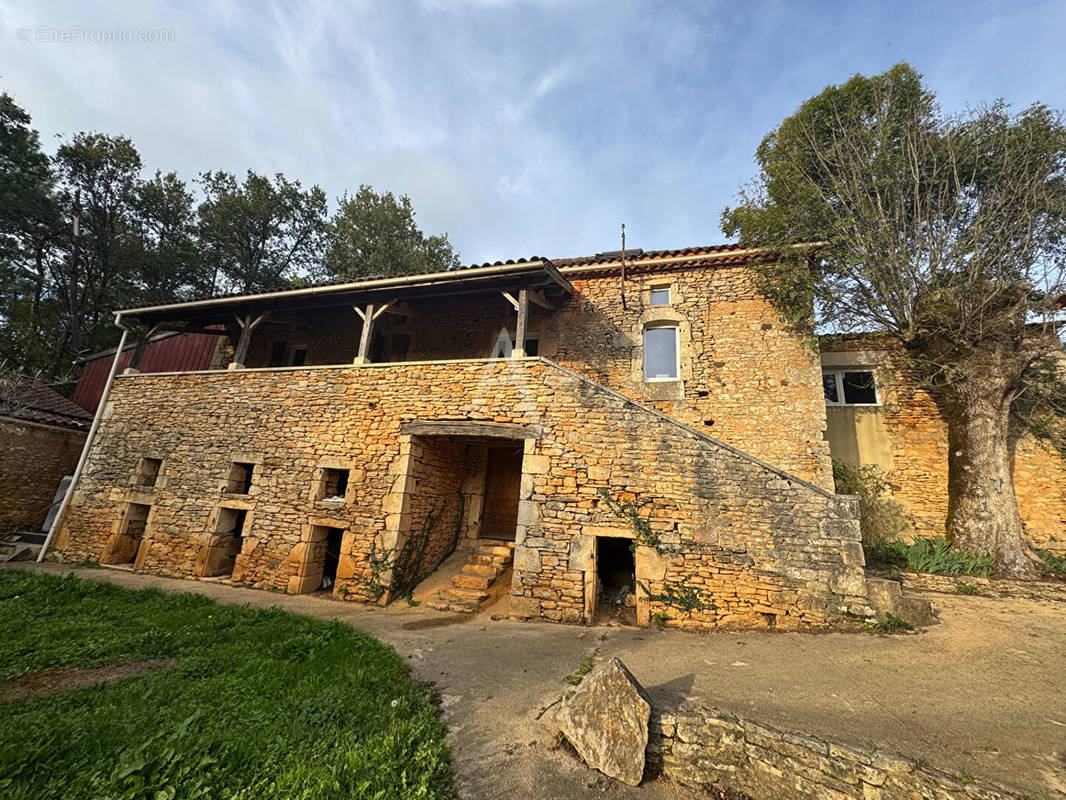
{"type": "Point", "coordinates": [983, 516]}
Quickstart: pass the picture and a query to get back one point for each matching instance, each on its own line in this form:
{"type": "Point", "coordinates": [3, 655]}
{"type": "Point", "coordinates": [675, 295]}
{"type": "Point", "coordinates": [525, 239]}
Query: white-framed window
{"type": "Point", "coordinates": [661, 353]}
{"type": "Point", "coordinates": [850, 387]}
{"type": "Point", "coordinates": [659, 296]}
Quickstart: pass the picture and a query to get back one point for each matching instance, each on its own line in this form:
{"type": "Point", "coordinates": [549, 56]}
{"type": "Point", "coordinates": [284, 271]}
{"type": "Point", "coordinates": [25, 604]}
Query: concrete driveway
{"type": "Point", "coordinates": [983, 691]}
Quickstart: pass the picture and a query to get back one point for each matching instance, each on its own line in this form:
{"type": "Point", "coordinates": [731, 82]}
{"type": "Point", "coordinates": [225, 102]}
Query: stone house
{"type": "Point", "coordinates": [879, 415]}
{"type": "Point", "coordinates": [575, 433]}
{"type": "Point", "coordinates": [41, 436]}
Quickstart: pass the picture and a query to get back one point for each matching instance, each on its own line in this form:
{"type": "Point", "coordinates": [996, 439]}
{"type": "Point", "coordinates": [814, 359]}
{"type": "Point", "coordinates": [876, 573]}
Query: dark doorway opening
{"type": "Point", "coordinates": [616, 589]}
{"type": "Point", "coordinates": [332, 557]}
{"type": "Point", "coordinates": [503, 481]}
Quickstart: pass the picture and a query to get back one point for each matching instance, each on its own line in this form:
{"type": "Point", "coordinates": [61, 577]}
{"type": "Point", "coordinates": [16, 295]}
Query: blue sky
{"type": "Point", "coordinates": [519, 127]}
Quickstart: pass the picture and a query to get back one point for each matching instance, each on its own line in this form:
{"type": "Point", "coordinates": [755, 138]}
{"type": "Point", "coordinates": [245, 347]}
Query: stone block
{"type": "Point", "coordinates": [524, 607]}
{"type": "Point", "coordinates": [916, 611]}
{"type": "Point", "coordinates": [650, 565]}
{"type": "Point", "coordinates": [606, 720]}
{"type": "Point", "coordinates": [884, 595]}
{"type": "Point", "coordinates": [536, 464]}
{"type": "Point", "coordinates": [581, 553]}
{"type": "Point", "coordinates": [527, 559]}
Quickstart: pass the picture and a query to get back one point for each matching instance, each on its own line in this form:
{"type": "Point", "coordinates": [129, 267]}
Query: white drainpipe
{"type": "Point", "coordinates": [88, 442]}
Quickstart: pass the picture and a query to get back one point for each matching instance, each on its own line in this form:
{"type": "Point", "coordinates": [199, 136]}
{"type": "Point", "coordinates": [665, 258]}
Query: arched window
{"type": "Point", "coordinates": [661, 353]}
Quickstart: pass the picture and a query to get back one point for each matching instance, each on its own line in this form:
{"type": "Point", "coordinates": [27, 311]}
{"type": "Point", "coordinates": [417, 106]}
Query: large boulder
{"type": "Point", "coordinates": [606, 720]}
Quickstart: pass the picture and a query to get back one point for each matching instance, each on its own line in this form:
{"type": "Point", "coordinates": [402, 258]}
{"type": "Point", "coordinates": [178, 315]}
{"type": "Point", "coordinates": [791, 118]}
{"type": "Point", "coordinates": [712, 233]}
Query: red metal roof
{"type": "Point", "coordinates": [178, 352]}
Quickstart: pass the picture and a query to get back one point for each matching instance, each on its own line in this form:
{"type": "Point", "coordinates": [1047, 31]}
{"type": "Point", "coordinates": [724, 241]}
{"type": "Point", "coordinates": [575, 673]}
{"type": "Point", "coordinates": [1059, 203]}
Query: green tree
{"type": "Point", "coordinates": [376, 234]}
{"type": "Point", "coordinates": [99, 177]}
{"type": "Point", "coordinates": [948, 232]}
{"type": "Point", "coordinates": [167, 262]}
{"type": "Point", "coordinates": [257, 235]}
{"type": "Point", "coordinates": [29, 225]}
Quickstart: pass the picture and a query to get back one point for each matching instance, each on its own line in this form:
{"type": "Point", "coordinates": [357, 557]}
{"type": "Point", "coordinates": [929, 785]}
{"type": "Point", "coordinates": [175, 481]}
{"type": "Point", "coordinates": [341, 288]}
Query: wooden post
{"type": "Point", "coordinates": [519, 350]}
{"type": "Point", "coordinates": [241, 351]}
{"type": "Point", "coordinates": [138, 352]}
{"type": "Point", "coordinates": [363, 356]}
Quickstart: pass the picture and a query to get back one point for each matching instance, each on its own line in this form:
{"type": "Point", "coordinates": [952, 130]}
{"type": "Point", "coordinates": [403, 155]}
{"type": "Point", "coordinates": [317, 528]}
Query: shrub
{"type": "Point", "coordinates": [928, 555]}
{"type": "Point", "coordinates": [880, 517]}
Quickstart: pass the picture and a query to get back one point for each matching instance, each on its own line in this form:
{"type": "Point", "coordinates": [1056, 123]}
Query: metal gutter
{"type": "Point", "coordinates": [88, 442]}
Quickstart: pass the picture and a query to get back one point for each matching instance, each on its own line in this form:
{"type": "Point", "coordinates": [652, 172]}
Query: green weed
{"type": "Point", "coordinates": [890, 624]}
{"type": "Point", "coordinates": [583, 669]}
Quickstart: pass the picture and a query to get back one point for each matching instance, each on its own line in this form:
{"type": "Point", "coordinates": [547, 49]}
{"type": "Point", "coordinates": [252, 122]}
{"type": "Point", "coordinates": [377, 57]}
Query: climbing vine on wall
{"type": "Point", "coordinates": [682, 597]}
{"type": "Point", "coordinates": [402, 562]}
{"type": "Point", "coordinates": [630, 511]}
{"type": "Point", "coordinates": [679, 596]}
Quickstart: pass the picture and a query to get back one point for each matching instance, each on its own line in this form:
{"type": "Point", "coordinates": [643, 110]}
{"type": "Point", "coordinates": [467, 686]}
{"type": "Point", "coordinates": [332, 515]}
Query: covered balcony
{"type": "Point", "coordinates": [490, 311]}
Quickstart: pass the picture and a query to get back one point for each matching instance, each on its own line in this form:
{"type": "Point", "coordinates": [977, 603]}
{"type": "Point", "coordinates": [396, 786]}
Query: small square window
{"type": "Point", "coordinates": [333, 485]}
{"type": "Point", "coordinates": [660, 296]}
{"type": "Point", "coordinates": [240, 478]}
{"type": "Point", "coordinates": [148, 471]}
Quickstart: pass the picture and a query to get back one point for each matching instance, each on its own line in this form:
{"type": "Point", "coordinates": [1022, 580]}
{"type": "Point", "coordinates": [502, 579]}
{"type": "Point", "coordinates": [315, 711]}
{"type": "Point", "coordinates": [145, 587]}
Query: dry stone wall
{"type": "Point", "coordinates": [744, 378]}
{"type": "Point", "coordinates": [701, 746]}
{"type": "Point", "coordinates": [738, 542]}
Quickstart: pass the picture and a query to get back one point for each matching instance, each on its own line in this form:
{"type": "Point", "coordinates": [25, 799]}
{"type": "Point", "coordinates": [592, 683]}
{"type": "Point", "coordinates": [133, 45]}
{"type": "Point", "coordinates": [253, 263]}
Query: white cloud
{"type": "Point", "coordinates": [518, 126]}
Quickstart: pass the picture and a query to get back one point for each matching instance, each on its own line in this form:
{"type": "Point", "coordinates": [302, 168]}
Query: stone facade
{"type": "Point", "coordinates": [906, 437]}
{"type": "Point", "coordinates": [33, 460]}
{"type": "Point", "coordinates": [736, 541]}
{"type": "Point", "coordinates": [700, 746]}
{"type": "Point", "coordinates": [744, 379]}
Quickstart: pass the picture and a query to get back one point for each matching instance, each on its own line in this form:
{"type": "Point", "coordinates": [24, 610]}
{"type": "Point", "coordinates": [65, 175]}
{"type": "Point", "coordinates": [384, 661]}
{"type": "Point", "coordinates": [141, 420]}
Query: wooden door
{"type": "Point", "coordinates": [503, 478]}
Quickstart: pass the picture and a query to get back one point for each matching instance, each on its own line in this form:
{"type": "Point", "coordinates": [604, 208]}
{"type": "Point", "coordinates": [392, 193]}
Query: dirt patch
{"type": "Point", "coordinates": [57, 680]}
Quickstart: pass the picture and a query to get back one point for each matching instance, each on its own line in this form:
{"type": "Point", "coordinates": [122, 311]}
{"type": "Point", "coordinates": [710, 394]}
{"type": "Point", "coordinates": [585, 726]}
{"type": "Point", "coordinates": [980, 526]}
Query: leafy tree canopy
{"type": "Point", "coordinates": [376, 234]}
{"type": "Point", "coordinates": [259, 233]}
{"type": "Point", "coordinates": [945, 231]}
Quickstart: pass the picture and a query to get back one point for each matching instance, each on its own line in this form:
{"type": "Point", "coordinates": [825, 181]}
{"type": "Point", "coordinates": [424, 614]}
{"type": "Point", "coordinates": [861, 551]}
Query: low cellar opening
{"type": "Point", "coordinates": [230, 528]}
{"type": "Point", "coordinates": [616, 589]}
{"type": "Point", "coordinates": [331, 558]}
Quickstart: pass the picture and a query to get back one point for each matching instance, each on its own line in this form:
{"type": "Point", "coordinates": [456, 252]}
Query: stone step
{"type": "Point", "coordinates": [464, 581]}
{"type": "Point", "coordinates": [477, 558]}
{"type": "Point", "coordinates": [488, 570]}
{"type": "Point", "coordinates": [492, 550]}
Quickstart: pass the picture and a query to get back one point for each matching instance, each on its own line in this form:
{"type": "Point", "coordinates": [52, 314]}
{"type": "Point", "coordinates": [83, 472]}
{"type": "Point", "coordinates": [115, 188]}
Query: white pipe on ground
{"type": "Point", "coordinates": [88, 442]}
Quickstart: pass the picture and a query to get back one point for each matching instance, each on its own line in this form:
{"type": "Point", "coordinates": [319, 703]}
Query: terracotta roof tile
{"type": "Point", "coordinates": [32, 401]}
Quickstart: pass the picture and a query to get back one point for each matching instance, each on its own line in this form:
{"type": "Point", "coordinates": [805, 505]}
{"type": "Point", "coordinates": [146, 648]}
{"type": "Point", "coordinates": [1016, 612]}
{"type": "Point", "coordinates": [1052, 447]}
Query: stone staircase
{"type": "Point", "coordinates": [472, 585]}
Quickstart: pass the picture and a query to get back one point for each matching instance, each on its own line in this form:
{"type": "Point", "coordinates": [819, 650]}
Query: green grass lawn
{"type": "Point", "coordinates": [261, 704]}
